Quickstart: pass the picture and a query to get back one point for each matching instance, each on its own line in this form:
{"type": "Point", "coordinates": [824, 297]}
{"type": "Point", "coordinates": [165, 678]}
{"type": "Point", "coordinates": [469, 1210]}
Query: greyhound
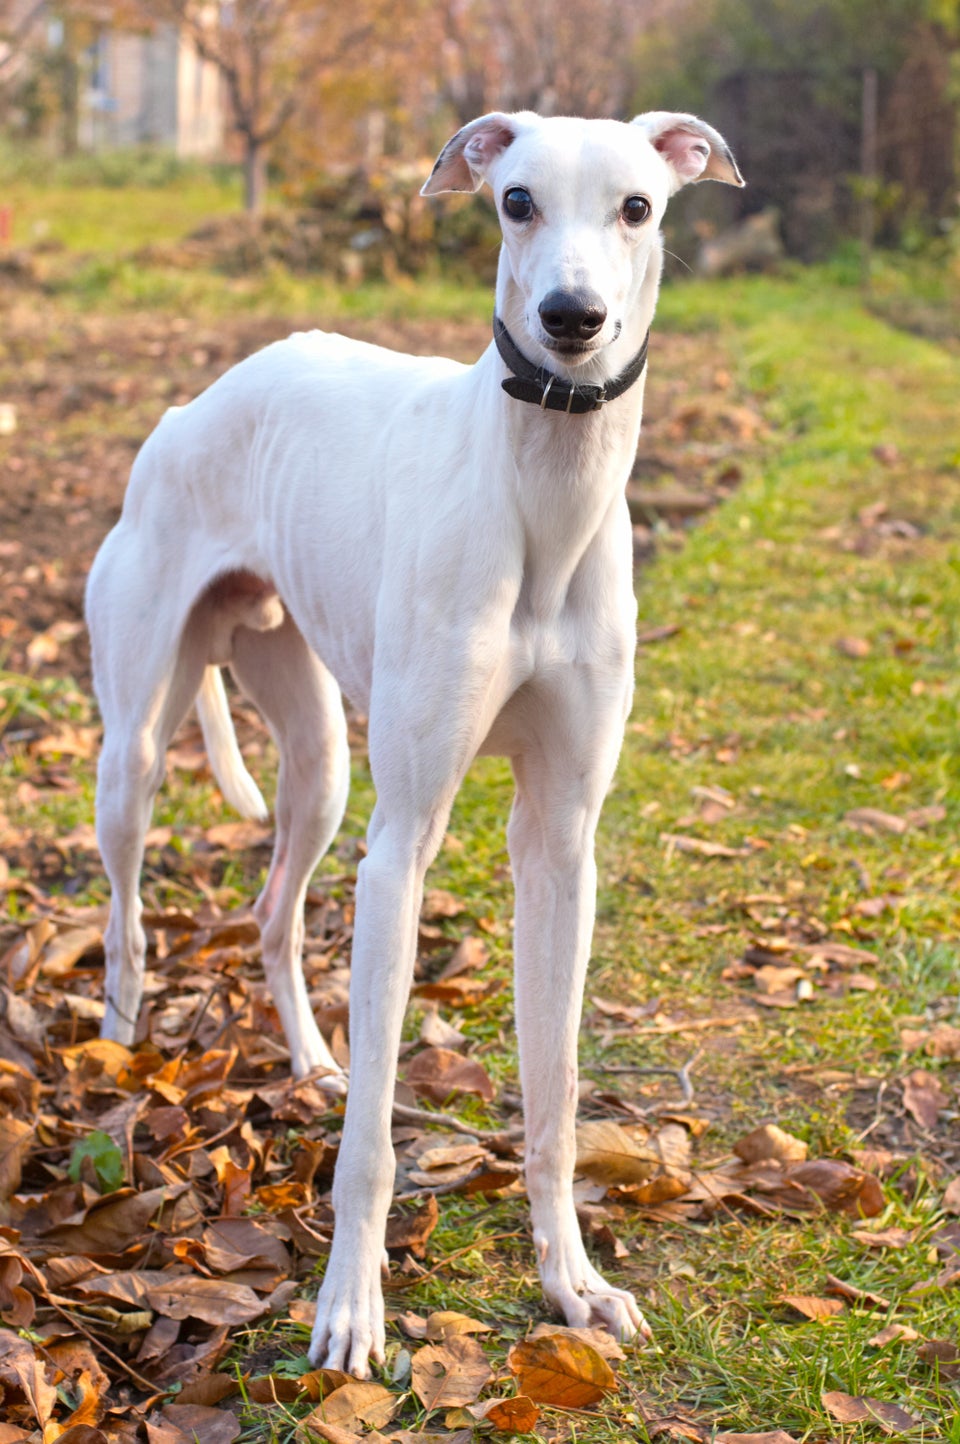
{"type": "Point", "coordinates": [451, 546]}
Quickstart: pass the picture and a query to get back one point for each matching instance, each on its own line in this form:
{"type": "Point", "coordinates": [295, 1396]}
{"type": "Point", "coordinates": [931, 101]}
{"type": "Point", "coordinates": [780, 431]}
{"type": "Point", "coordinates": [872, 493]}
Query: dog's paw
{"type": "Point", "coordinates": [349, 1329]}
{"type": "Point", "coordinates": [603, 1306]}
{"type": "Point", "coordinates": [585, 1298]}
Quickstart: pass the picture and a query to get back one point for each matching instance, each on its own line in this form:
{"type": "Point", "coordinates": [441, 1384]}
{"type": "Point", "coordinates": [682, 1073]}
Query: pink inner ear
{"type": "Point", "coordinates": [686, 152]}
{"type": "Point", "coordinates": [485, 145]}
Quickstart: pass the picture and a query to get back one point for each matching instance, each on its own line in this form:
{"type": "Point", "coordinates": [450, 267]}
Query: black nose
{"type": "Point", "coordinates": [572, 315]}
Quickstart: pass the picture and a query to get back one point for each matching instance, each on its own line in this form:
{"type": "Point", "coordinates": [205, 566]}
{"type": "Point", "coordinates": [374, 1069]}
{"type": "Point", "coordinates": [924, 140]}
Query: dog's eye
{"type": "Point", "coordinates": [518, 203]}
{"type": "Point", "coordinates": [635, 210]}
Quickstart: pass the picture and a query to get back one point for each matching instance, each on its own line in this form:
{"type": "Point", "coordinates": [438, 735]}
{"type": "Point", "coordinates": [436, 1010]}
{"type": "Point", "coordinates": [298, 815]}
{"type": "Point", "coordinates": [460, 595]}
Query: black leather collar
{"type": "Point", "coordinates": [549, 391]}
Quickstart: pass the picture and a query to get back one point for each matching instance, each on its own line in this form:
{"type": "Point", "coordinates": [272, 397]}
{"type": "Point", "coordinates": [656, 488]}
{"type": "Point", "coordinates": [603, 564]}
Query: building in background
{"type": "Point", "coordinates": [150, 88]}
{"type": "Point", "coordinates": [83, 80]}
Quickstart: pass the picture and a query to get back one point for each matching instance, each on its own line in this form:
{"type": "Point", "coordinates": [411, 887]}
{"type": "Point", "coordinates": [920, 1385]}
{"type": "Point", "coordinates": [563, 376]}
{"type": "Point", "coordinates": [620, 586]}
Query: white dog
{"type": "Point", "coordinates": [451, 546]}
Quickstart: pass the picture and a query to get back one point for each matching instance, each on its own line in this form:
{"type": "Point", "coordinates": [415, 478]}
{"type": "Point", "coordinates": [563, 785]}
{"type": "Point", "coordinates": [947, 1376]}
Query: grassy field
{"type": "Point", "coordinates": [790, 773]}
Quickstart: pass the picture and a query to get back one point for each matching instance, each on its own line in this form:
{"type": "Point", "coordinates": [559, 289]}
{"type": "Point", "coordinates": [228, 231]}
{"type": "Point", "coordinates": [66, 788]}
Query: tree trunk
{"type": "Point", "coordinates": [254, 176]}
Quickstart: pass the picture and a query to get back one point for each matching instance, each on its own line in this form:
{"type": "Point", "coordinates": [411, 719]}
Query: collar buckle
{"type": "Point", "coordinates": [549, 391]}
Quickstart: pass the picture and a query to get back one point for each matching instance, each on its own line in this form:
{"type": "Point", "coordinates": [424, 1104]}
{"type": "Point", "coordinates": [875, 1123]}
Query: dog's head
{"type": "Point", "coordinates": [580, 204]}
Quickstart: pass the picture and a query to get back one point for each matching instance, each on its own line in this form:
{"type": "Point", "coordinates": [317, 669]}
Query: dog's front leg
{"type": "Point", "coordinates": [349, 1327]}
{"type": "Point", "coordinates": [560, 786]}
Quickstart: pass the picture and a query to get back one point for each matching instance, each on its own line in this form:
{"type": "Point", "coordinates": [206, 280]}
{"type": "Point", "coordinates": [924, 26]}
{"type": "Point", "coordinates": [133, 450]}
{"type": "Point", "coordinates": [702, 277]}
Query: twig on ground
{"type": "Point", "coordinates": [505, 1137]}
{"type": "Point", "coordinates": [682, 1075]}
{"type": "Point", "coordinates": [477, 1243]}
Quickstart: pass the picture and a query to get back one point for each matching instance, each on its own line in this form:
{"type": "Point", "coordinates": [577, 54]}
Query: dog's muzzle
{"type": "Point", "coordinates": [544, 388]}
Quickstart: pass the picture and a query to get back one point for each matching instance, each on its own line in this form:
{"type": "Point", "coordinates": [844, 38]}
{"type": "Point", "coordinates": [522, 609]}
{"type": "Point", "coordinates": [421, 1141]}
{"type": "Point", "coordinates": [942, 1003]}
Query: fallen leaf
{"type": "Point", "coordinates": [884, 1237]}
{"type": "Point", "coordinates": [446, 1323]}
{"type": "Point", "coordinates": [437, 1073]}
{"type": "Point", "coordinates": [853, 647]}
{"type": "Point", "coordinates": [214, 1301]}
{"type": "Point", "coordinates": [607, 1153]}
{"type": "Point", "coordinates": [560, 1371]}
{"type": "Point", "coordinates": [891, 1334]}
{"type": "Point", "coordinates": [314, 1427]}
{"type": "Point", "coordinates": [599, 1339]}
{"type": "Point", "coordinates": [517, 1415]}
{"type": "Point", "coordinates": [854, 1295]}
{"type": "Point", "coordinates": [951, 1196]}
{"type": "Point", "coordinates": [112, 1224]}
{"type": "Point", "coordinates": [680, 842]}
{"type": "Point", "coordinates": [923, 1097]}
{"type": "Point", "coordinates": [814, 1308]}
{"type": "Point", "coordinates": [21, 1368]}
{"type": "Point", "coordinates": [943, 1355]}
{"type": "Point", "coordinates": [835, 1185]}
{"type": "Point", "coordinates": [859, 1409]}
{"type": "Point", "coordinates": [449, 1375]}
{"type": "Point", "coordinates": [874, 819]}
{"type": "Point", "coordinates": [769, 1141]}
{"type": "Point", "coordinates": [411, 1230]}
{"type": "Point", "coordinates": [194, 1421]}
{"type": "Point", "coordinates": [770, 1436]}
{"type": "Point", "coordinates": [15, 1136]}
{"type": "Point", "coordinates": [353, 1404]}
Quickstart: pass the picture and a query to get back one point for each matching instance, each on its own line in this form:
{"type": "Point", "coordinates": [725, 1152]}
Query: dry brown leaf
{"type": "Point", "coordinates": [15, 1136]}
{"type": "Point", "coordinates": [599, 1339]}
{"type": "Point", "coordinates": [517, 1415]}
{"type": "Point", "coordinates": [607, 1153]}
{"type": "Point", "coordinates": [834, 1185]}
{"type": "Point", "coordinates": [214, 1301]}
{"type": "Point", "coordinates": [853, 647]}
{"type": "Point", "coordinates": [446, 1323]}
{"type": "Point", "coordinates": [923, 1097]}
{"type": "Point", "coordinates": [411, 1230]}
{"type": "Point", "coordinates": [313, 1427]}
{"type": "Point", "coordinates": [855, 1295]}
{"type": "Point", "coordinates": [814, 1308]}
{"type": "Point", "coordinates": [210, 1389]}
{"type": "Point", "coordinates": [769, 1141]}
{"type": "Point", "coordinates": [944, 1042]}
{"type": "Point", "coordinates": [560, 1371]}
{"type": "Point", "coordinates": [440, 904]}
{"type": "Point", "coordinates": [884, 1237]}
{"type": "Point", "coordinates": [951, 1196]}
{"type": "Point", "coordinates": [680, 842]}
{"type": "Point", "coordinates": [436, 1032]}
{"type": "Point", "coordinates": [769, 1436]}
{"type": "Point", "coordinates": [113, 1223]}
{"type": "Point", "coordinates": [355, 1403]}
{"type": "Point", "coordinates": [437, 1073]}
{"type": "Point", "coordinates": [194, 1421]}
{"type": "Point", "coordinates": [891, 1334]}
{"type": "Point", "coordinates": [874, 819]}
{"type": "Point", "coordinates": [449, 1375]}
{"type": "Point", "coordinates": [861, 1409]}
{"type": "Point", "coordinates": [469, 955]}
{"type": "Point", "coordinates": [20, 1367]}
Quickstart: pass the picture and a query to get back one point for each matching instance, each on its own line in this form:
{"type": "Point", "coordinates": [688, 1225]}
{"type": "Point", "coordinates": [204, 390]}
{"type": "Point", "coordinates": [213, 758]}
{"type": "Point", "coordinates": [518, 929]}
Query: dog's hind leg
{"type": "Point", "coordinates": [302, 704]}
{"type": "Point", "coordinates": [142, 701]}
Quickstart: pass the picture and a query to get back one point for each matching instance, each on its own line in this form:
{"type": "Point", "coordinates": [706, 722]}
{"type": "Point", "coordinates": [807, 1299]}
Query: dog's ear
{"type": "Point", "coordinates": [463, 162]}
{"type": "Point", "coordinates": [693, 150]}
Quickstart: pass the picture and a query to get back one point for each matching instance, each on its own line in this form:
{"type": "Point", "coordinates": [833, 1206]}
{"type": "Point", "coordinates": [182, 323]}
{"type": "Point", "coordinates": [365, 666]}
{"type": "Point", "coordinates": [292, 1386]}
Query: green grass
{"type": "Point", "coordinates": [112, 221]}
{"type": "Point", "coordinates": [753, 694]}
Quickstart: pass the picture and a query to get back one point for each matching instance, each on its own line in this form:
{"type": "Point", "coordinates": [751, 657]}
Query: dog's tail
{"type": "Point", "coordinates": [233, 779]}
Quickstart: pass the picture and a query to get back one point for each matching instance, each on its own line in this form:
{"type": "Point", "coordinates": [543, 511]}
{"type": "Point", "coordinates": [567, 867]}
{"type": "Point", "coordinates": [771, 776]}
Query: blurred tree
{"type": "Point", "coordinates": [784, 80]}
{"type": "Point", "coordinates": [269, 53]}
{"type": "Point", "coordinates": [538, 55]}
